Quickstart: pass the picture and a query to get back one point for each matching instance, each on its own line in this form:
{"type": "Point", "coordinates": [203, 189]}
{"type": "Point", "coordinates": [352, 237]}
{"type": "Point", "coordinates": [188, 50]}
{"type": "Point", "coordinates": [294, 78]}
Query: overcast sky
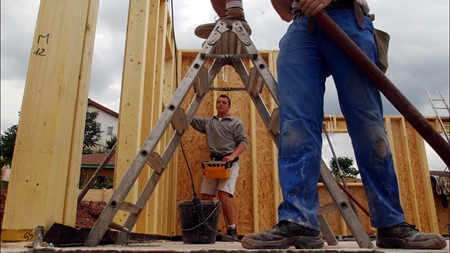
{"type": "Point", "coordinates": [418, 52]}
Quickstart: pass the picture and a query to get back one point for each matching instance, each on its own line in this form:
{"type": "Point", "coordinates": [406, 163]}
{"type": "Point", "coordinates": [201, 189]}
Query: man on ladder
{"type": "Point", "coordinates": [307, 57]}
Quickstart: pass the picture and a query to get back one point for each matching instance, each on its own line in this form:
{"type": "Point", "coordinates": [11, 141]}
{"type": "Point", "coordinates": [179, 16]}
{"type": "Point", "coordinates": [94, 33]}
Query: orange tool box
{"type": "Point", "coordinates": [216, 169]}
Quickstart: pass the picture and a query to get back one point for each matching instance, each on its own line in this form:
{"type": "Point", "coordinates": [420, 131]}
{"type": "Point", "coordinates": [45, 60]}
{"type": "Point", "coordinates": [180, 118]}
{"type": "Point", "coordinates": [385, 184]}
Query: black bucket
{"type": "Point", "coordinates": [192, 231]}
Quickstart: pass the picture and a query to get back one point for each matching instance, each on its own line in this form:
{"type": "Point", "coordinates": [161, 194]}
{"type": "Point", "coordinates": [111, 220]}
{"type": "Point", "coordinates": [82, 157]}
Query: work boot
{"type": "Point", "coordinates": [231, 232]}
{"type": "Point", "coordinates": [203, 31]}
{"type": "Point", "coordinates": [284, 235]}
{"type": "Point", "coordinates": [406, 236]}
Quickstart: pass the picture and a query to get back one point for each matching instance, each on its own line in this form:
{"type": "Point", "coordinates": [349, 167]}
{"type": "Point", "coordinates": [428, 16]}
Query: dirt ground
{"type": "Point", "coordinates": [87, 212]}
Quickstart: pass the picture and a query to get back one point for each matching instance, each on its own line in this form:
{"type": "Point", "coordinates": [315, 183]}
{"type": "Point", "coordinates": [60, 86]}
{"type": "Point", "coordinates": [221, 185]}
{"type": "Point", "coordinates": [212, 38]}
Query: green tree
{"type": "Point", "coordinates": [346, 165]}
{"type": "Point", "coordinates": [111, 143]}
{"type": "Point", "coordinates": [7, 142]}
{"type": "Point", "coordinates": [92, 132]}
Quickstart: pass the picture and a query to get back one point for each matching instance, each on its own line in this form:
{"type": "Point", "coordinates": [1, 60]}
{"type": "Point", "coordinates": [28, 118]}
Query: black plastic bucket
{"type": "Point", "coordinates": [191, 230]}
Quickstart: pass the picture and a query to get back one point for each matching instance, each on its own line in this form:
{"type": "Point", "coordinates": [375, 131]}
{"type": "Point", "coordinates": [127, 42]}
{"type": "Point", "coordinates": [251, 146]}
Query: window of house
{"type": "Point", "coordinates": [110, 131]}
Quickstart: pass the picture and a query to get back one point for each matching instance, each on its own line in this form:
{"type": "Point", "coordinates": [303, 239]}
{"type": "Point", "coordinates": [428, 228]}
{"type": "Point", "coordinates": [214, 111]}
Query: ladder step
{"type": "Point", "coordinates": [274, 121]}
{"type": "Point", "coordinates": [179, 121]}
{"type": "Point", "coordinates": [201, 84]}
{"type": "Point", "coordinates": [255, 83]}
{"type": "Point", "coordinates": [155, 161]}
{"type": "Point", "coordinates": [129, 207]}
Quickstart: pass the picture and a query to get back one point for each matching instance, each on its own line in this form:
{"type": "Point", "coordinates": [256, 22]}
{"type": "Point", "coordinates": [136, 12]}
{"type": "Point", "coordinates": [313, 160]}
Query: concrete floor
{"type": "Point", "coordinates": [218, 247]}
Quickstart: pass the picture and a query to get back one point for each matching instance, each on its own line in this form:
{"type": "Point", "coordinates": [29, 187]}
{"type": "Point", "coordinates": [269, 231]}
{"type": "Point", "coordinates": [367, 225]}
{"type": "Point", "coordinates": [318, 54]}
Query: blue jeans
{"type": "Point", "coordinates": [304, 62]}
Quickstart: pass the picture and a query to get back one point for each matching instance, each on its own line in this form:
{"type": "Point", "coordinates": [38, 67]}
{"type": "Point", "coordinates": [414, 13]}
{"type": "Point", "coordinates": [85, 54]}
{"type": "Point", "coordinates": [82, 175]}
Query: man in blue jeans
{"type": "Point", "coordinates": [307, 57]}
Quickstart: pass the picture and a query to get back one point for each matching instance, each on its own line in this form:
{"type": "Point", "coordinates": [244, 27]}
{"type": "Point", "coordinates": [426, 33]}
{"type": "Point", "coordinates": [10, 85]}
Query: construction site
{"type": "Point", "coordinates": [158, 158]}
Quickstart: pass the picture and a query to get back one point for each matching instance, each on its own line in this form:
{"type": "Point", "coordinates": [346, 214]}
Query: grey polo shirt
{"type": "Point", "coordinates": [223, 136]}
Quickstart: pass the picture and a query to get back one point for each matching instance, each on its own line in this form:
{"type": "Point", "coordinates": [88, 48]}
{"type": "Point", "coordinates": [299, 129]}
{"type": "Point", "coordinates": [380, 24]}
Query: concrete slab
{"type": "Point", "coordinates": [218, 247]}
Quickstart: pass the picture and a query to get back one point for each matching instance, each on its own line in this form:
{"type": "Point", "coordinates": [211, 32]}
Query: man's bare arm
{"type": "Point", "coordinates": [237, 152]}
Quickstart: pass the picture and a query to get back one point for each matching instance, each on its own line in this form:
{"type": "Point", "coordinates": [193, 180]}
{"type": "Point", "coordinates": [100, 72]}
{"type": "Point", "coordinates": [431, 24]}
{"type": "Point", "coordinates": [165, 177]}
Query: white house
{"type": "Point", "coordinates": [108, 120]}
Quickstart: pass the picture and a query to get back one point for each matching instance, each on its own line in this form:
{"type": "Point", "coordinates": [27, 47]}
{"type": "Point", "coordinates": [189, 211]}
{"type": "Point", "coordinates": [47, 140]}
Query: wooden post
{"type": "Point", "coordinates": [47, 157]}
{"type": "Point", "coordinates": [132, 92]}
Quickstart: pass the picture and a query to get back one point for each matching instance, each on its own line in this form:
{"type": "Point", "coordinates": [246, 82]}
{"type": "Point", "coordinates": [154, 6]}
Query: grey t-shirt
{"type": "Point", "coordinates": [223, 136]}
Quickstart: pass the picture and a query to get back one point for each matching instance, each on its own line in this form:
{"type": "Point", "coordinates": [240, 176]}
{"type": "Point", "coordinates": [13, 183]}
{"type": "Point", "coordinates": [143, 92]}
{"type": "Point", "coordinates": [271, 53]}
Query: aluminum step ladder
{"type": "Point", "coordinates": [439, 105]}
{"type": "Point", "coordinates": [228, 44]}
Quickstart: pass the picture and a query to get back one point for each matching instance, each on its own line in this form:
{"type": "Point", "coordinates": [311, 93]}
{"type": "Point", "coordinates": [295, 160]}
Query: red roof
{"type": "Point", "coordinates": [97, 159]}
{"type": "Point", "coordinates": [101, 107]}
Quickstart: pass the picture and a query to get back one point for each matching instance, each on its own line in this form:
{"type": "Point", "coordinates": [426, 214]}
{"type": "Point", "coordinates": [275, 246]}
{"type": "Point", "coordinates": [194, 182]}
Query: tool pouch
{"type": "Point", "coordinates": [382, 41]}
{"type": "Point", "coordinates": [381, 38]}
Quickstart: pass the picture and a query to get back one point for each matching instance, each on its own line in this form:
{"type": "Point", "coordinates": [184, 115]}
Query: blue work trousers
{"type": "Point", "coordinates": [304, 62]}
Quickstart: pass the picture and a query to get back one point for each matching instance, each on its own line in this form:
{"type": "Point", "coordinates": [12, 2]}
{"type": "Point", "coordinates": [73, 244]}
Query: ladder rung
{"type": "Point", "coordinates": [129, 207]}
{"type": "Point", "coordinates": [179, 121]}
{"type": "Point", "coordinates": [201, 84]}
{"type": "Point", "coordinates": [255, 83]}
{"type": "Point", "coordinates": [155, 161]}
{"type": "Point", "coordinates": [274, 121]}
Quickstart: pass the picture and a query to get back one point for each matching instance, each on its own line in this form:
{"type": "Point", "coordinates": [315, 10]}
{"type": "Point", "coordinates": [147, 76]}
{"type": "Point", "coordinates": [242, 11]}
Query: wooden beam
{"type": "Point", "coordinates": [131, 99]}
{"type": "Point", "coordinates": [47, 154]}
{"type": "Point", "coordinates": [254, 155]}
{"type": "Point", "coordinates": [410, 175]}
